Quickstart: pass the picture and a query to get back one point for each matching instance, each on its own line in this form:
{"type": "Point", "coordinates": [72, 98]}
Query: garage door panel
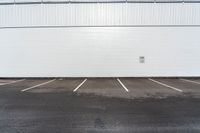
{"type": "Point", "coordinates": [99, 52]}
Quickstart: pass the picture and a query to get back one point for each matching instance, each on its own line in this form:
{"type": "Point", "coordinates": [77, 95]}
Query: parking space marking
{"type": "Point", "coordinates": [165, 85]}
{"type": "Point", "coordinates": [80, 85]}
{"type": "Point", "coordinates": [122, 84]}
{"type": "Point", "coordinates": [38, 85]}
{"type": "Point", "coordinates": [190, 81]}
{"type": "Point", "coordinates": [12, 82]}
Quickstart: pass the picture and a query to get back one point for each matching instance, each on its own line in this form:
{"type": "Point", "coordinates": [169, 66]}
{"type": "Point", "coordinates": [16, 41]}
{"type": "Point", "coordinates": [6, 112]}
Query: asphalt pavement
{"type": "Point", "coordinates": [99, 106]}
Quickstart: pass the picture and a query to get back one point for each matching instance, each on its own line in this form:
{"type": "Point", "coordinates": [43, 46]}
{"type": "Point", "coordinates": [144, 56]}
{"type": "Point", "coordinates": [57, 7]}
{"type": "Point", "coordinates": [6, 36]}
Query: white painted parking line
{"type": "Point", "coordinates": [38, 85]}
{"type": "Point", "coordinates": [174, 88]}
{"type": "Point", "coordinates": [79, 85]}
{"type": "Point", "coordinates": [190, 81]}
{"type": "Point", "coordinates": [12, 82]}
{"type": "Point", "coordinates": [122, 84]}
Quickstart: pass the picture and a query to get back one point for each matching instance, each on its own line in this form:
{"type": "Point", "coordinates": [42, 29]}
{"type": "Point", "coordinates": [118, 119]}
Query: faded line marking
{"type": "Point", "coordinates": [12, 82]}
{"type": "Point", "coordinates": [5, 81]}
{"type": "Point", "coordinates": [190, 81]}
{"type": "Point", "coordinates": [38, 85]}
{"type": "Point", "coordinates": [165, 85]}
{"type": "Point", "coordinates": [79, 85]}
{"type": "Point", "coordinates": [122, 84]}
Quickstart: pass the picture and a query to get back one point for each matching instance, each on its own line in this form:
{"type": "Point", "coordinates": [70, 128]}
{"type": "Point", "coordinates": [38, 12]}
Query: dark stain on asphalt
{"type": "Point", "coordinates": [99, 123]}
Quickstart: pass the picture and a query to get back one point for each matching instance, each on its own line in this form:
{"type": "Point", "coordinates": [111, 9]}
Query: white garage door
{"type": "Point", "coordinates": [100, 39]}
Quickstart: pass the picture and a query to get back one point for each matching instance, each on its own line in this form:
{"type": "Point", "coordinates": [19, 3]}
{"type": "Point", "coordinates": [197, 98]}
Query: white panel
{"type": "Point", "coordinates": [6, 1]}
{"type": "Point", "coordinates": [112, 0]}
{"type": "Point", "coordinates": [100, 52]}
{"type": "Point", "coordinates": [192, 0]}
{"type": "Point", "coordinates": [27, 1]}
{"type": "Point", "coordinates": [169, 0]}
{"type": "Point", "coordinates": [100, 14]}
{"type": "Point", "coordinates": [97, 0]}
{"type": "Point", "coordinates": [55, 0]}
{"type": "Point", "coordinates": [140, 0]}
{"type": "Point", "coordinates": [84, 0]}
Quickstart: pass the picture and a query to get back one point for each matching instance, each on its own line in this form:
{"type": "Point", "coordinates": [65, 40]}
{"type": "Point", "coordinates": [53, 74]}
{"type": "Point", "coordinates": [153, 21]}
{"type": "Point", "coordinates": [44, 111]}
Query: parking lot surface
{"type": "Point", "coordinates": [88, 105]}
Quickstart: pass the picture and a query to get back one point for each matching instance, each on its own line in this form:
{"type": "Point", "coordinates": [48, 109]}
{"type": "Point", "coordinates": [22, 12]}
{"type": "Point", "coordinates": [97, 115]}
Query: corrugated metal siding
{"type": "Point", "coordinates": [27, 1]}
{"type": "Point", "coordinates": [93, 1]}
{"type": "Point", "coordinates": [55, 0]}
{"type": "Point", "coordinates": [102, 14]}
{"type": "Point", "coordinates": [6, 1]}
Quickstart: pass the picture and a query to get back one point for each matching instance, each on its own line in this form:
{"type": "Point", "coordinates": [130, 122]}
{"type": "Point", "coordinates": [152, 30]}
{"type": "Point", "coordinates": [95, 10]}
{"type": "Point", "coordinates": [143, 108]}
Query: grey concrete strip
{"type": "Point", "coordinates": [5, 81]}
{"type": "Point", "coordinates": [165, 85]}
{"type": "Point", "coordinates": [38, 85]}
{"type": "Point", "coordinates": [12, 82]}
{"type": "Point", "coordinates": [191, 81]}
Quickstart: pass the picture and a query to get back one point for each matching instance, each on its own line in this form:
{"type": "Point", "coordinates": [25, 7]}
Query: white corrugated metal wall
{"type": "Point", "coordinates": [99, 39]}
{"type": "Point", "coordinates": [100, 14]}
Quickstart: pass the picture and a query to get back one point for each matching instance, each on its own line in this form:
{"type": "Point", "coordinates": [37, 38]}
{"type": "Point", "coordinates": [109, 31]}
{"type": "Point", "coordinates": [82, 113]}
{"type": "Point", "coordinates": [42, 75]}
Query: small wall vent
{"type": "Point", "coordinates": [142, 59]}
